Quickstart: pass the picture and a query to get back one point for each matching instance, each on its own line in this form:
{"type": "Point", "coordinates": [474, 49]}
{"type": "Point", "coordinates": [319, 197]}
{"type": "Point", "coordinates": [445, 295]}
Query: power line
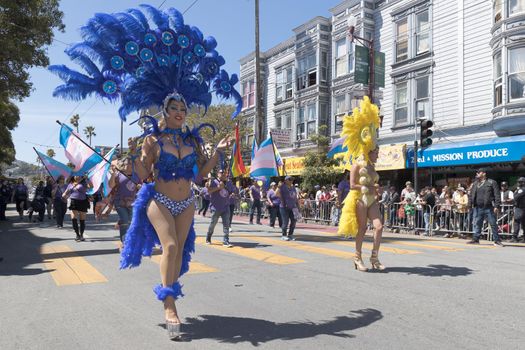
{"type": "Point", "coordinates": [189, 7]}
{"type": "Point", "coordinates": [161, 4]}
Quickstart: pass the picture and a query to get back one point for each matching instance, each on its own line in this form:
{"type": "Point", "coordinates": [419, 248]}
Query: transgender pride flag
{"type": "Point", "coordinates": [82, 156]}
{"type": "Point", "coordinates": [54, 167]}
{"type": "Point", "coordinates": [263, 162]}
{"type": "Point", "coordinates": [99, 175]}
{"type": "Point", "coordinates": [337, 147]}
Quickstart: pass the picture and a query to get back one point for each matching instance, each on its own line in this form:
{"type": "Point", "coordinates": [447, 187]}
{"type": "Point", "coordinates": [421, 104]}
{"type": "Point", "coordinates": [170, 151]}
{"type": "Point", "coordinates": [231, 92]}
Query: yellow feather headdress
{"type": "Point", "coordinates": [360, 130]}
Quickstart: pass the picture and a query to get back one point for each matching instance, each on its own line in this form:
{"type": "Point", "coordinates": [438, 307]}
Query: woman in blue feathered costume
{"type": "Point", "coordinates": [160, 62]}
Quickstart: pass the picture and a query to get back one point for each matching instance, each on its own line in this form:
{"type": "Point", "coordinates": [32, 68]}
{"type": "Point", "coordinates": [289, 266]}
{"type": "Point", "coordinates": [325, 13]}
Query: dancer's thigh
{"type": "Point", "coordinates": [163, 222]}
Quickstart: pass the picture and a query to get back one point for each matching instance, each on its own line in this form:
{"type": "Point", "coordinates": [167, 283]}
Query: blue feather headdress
{"type": "Point", "coordinates": [127, 60]}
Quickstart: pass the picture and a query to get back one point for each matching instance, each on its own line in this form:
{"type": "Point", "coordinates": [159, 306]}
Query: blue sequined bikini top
{"type": "Point", "coordinates": [170, 167]}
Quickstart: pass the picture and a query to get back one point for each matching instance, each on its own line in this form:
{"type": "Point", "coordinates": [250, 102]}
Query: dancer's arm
{"type": "Point", "coordinates": [212, 162]}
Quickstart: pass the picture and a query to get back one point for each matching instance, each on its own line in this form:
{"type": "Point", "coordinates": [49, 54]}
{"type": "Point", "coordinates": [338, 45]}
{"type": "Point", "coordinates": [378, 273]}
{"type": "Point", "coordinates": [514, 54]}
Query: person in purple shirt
{"type": "Point", "coordinates": [288, 195]}
{"type": "Point", "coordinates": [76, 191]}
{"type": "Point", "coordinates": [274, 203]}
{"type": "Point", "coordinates": [255, 195]}
{"type": "Point", "coordinates": [220, 202]}
{"type": "Point", "coordinates": [234, 196]}
{"type": "Point", "coordinates": [125, 191]}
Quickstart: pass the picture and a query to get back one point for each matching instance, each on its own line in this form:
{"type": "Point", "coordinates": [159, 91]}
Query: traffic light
{"type": "Point", "coordinates": [426, 133]}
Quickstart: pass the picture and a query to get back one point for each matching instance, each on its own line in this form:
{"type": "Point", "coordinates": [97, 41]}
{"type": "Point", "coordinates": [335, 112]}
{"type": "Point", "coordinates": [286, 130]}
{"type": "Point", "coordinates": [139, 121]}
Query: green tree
{"type": "Point", "coordinates": [75, 121]}
{"type": "Point", "coordinates": [219, 117]}
{"type": "Point", "coordinates": [89, 131]}
{"type": "Point", "coordinates": [26, 31]}
{"type": "Point", "coordinates": [318, 168]}
{"type": "Point", "coordinates": [51, 153]}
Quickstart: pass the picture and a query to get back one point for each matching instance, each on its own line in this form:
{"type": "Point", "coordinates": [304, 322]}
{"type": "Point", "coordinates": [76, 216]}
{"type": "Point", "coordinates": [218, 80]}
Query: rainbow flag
{"type": "Point", "coordinates": [237, 165]}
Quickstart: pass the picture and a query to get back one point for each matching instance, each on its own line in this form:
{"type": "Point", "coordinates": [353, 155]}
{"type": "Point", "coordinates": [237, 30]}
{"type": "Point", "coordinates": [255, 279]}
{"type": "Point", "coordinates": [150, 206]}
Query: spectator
{"type": "Point", "coordinates": [48, 189]}
{"type": "Point", "coordinates": [342, 191]}
{"type": "Point", "coordinates": [461, 203]}
{"type": "Point", "coordinates": [288, 207]}
{"type": "Point", "coordinates": [393, 199]}
{"type": "Point", "coordinates": [519, 210]}
{"type": "Point", "coordinates": [205, 196]}
{"type": "Point", "coordinates": [507, 203]}
{"type": "Point", "coordinates": [255, 195]}
{"type": "Point", "coordinates": [486, 199]}
{"type": "Point", "coordinates": [428, 202]}
{"type": "Point", "coordinates": [410, 213]}
{"type": "Point", "coordinates": [220, 202]}
{"type": "Point", "coordinates": [274, 203]}
{"type": "Point", "coordinates": [407, 190]}
{"type": "Point", "coordinates": [445, 212]}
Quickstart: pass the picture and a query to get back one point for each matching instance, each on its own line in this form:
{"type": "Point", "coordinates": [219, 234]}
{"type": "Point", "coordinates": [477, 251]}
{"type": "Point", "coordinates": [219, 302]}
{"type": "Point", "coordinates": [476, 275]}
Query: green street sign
{"type": "Point", "coordinates": [361, 65]}
{"type": "Point", "coordinates": [361, 72]}
{"type": "Point", "coordinates": [379, 69]}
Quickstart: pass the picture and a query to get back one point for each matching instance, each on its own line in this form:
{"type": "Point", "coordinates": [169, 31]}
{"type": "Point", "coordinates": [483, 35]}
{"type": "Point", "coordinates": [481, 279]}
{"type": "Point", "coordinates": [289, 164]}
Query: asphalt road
{"type": "Point", "coordinates": [266, 293]}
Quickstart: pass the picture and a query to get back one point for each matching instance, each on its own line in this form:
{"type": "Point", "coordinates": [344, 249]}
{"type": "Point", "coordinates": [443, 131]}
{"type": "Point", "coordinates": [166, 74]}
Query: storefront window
{"type": "Point", "coordinates": [402, 40]}
{"type": "Point", "coordinates": [401, 106]}
{"type": "Point", "coordinates": [497, 10]}
{"type": "Point", "coordinates": [516, 83]}
{"type": "Point", "coordinates": [498, 80]}
{"type": "Point", "coordinates": [515, 6]}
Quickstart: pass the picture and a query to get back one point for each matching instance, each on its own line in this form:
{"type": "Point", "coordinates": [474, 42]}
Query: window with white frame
{"type": "Point", "coordinates": [413, 35]}
{"type": "Point", "coordinates": [324, 66]}
{"type": "Point", "coordinates": [311, 119]}
{"type": "Point", "coordinates": [515, 6]}
{"type": "Point", "coordinates": [248, 93]}
{"type": "Point", "coordinates": [497, 6]}
{"type": "Point", "coordinates": [340, 111]}
{"type": "Point", "coordinates": [498, 80]}
{"type": "Point", "coordinates": [307, 71]}
{"type": "Point", "coordinates": [402, 40]}
{"type": "Point", "coordinates": [283, 84]}
{"type": "Point", "coordinates": [516, 82]}
{"type": "Point", "coordinates": [422, 106]}
{"type": "Point", "coordinates": [341, 58]}
{"type": "Point", "coordinates": [401, 103]}
{"type": "Point", "coordinates": [283, 119]}
{"type": "Point", "coordinates": [323, 114]}
{"type": "Point", "coordinates": [422, 32]}
{"type": "Point", "coordinates": [299, 125]}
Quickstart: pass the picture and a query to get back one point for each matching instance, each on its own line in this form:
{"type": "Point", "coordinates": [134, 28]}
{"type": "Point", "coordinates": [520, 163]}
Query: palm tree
{"type": "Point", "coordinates": [89, 131]}
{"type": "Point", "coordinates": [51, 153]}
{"type": "Point", "coordinates": [74, 121]}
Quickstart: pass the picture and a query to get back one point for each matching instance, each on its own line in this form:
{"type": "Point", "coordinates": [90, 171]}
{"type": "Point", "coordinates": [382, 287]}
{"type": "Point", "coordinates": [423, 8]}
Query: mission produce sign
{"type": "Point", "coordinates": [499, 150]}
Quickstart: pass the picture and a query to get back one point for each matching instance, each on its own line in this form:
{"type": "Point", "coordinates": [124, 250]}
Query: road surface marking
{"type": "Point", "coordinates": [195, 266]}
{"type": "Point", "coordinates": [67, 268]}
{"type": "Point", "coordinates": [424, 245]}
{"type": "Point", "coordinates": [252, 253]}
{"type": "Point", "coordinates": [299, 246]}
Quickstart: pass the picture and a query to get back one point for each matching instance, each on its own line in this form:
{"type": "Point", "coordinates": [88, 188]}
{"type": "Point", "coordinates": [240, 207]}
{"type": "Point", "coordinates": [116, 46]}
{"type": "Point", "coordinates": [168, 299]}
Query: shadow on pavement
{"type": "Point", "coordinates": [432, 271]}
{"type": "Point", "coordinates": [234, 330]}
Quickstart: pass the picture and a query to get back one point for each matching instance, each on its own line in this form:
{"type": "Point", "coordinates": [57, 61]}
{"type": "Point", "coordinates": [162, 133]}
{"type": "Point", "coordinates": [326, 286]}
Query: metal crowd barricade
{"type": "Point", "coordinates": [402, 218]}
{"type": "Point", "coordinates": [317, 211]}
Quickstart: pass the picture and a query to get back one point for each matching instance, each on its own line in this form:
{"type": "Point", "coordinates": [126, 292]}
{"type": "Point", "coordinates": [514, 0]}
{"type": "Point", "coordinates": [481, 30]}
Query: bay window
{"type": "Point", "coordinates": [516, 81]}
{"type": "Point", "coordinates": [248, 93]}
{"type": "Point", "coordinates": [299, 125]}
{"type": "Point", "coordinates": [312, 119]}
{"type": "Point", "coordinates": [498, 80]}
{"type": "Point", "coordinates": [283, 84]}
{"type": "Point", "coordinates": [401, 103]}
{"type": "Point", "coordinates": [307, 71]}
{"type": "Point", "coordinates": [515, 6]}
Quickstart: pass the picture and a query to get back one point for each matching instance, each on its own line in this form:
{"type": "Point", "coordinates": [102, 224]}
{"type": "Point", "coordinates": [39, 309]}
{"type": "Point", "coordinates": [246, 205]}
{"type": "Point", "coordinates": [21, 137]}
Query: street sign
{"type": "Point", "coordinates": [282, 137]}
{"type": "Point", "coordinates": [379, 69]}
{"type": "Point", "coordinates": [361, 65]}
{"type": "Point", "coordinates": [361, 73]}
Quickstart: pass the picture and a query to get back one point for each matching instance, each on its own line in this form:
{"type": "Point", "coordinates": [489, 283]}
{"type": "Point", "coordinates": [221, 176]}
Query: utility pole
{"type": "Point", "coordinates": [259, 118]}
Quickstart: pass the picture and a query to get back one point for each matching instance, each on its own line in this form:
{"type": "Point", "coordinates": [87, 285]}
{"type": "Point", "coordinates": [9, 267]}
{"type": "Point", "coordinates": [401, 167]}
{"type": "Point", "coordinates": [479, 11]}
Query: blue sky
{"type": "Point", "coordinates": [231, 22]}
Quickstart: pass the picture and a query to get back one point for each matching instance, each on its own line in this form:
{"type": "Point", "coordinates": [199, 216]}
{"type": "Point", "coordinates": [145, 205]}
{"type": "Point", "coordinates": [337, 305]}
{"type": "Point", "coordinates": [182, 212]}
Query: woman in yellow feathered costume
{"type": "Point", "coordinates": [360, 130]}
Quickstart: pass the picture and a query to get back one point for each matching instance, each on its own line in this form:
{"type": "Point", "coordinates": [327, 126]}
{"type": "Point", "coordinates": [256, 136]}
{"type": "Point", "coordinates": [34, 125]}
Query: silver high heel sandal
{"type": "Point", "coordinates": [173, 329]}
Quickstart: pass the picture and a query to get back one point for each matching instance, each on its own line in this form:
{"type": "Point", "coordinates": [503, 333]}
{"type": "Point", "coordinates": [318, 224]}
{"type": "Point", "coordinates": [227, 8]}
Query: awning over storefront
{"type": "Point", "coordinates": [497, 150]}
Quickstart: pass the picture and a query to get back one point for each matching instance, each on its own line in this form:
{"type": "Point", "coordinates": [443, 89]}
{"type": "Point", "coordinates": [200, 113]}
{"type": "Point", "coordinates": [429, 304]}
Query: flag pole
{"type": "Point", "coordinates": [95, 151]}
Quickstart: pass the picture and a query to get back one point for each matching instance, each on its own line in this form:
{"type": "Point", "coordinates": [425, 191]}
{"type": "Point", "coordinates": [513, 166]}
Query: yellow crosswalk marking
{"type": "Point", "coordinates": [195, 266]}
{"type": "Point", "coordinates": [299, 246]}
{"type": "Point", "coordinates": [477, 246]}
{"type": "Point", "coordinates": [365, 245]}
{"type": "Point", "coordinates": [425, 245]}
{"type": "Point", "coordinates": [67, 268]}
{"type": "Point", "coordinates": [254, 254]}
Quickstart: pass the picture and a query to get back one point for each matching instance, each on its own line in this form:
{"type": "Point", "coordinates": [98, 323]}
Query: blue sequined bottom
{"type": "Point", "coordinates": [175, 207]}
